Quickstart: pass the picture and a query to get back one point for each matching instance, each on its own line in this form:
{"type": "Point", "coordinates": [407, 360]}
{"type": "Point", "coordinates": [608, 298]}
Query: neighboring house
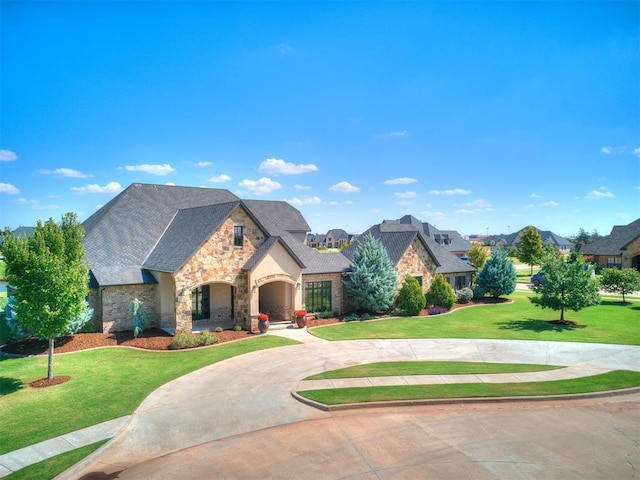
{"type": "Point", "coordinates": [449, 239]}
{"type": "Point", "coordinates": [315, 240]}
{"type": "Point", "coordinates": [334, 238]}
{"type": "Point", "coordinates": [621, 248]}
{"type": "Point", "coordinates": [413, 253]}
{"type": "Point", "coordinates": [201, 258]}
{"type": "Point", "coordinates": [513, 240]}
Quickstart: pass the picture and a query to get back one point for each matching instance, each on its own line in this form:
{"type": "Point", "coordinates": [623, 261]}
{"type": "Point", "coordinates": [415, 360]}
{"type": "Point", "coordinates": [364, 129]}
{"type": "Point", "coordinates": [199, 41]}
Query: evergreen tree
{"type": "Point", "coordinates": [498, 276]}
{"type": "Point", "coordinates": [621, 281]}
{"type": "Point", "coordinates": [373, 282]}
{"type": "Point", "coordinates": [48, 278]}
{"type": "Point", "coordinates": [566, 286]}
{"type": "Point", "coordinates": [531, 249]}
{"type": "Point", "coordinates": [411, 299]}
{"type": "Point", "coordinates": [440, 293]}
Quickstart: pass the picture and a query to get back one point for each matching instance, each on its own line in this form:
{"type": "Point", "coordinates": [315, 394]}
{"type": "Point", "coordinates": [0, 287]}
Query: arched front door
{"type": "Point", "coordinates": [276, 299]}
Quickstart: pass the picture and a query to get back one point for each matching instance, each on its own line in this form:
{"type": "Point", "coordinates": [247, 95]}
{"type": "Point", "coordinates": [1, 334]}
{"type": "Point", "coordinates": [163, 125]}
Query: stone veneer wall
{"type": "Point", "coordinates": [219, 261]}
{"type": "Point", "coordinates": [632, 250]}
{"type": "Point", "coordinates": [116, 306]}
{"type": "Point", "coordinates": [339, 301]}
{"type": "Point", "coordinates": [416, 262]}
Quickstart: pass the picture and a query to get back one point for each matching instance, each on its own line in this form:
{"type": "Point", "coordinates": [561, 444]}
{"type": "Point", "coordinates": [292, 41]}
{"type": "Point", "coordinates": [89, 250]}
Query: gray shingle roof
{"type": "Point", "coordinates": [278, 217]}
{"type": "Point", "coordinates": [120, 236]}
{"type": "Point", "coordinates": [615, 242]}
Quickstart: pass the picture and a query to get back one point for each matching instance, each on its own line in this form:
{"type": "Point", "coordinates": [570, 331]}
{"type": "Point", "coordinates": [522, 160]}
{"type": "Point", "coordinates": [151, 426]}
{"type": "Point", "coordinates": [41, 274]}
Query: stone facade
{"type": "Point", "coordinates": [219, 261]}
{"type": "Point", "coordinates": [416, 262]}
{"type": "Point", "coordinates": [631, 253]}
{"type": "Point", "coordinates": [116, 306]}
{"type": "Point", "coordinates": [339, 301]}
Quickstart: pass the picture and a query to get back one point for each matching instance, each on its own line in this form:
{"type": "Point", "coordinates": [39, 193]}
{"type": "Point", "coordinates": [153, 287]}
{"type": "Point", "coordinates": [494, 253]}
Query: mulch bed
{"type": "Point", "coordinates": [154, 338]}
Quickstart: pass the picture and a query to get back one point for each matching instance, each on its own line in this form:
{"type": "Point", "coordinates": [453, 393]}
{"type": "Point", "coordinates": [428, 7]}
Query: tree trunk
{"type": "Point", "coordinates": [50, 358]}
{"type": "Point", "coordinates": [562, 314]}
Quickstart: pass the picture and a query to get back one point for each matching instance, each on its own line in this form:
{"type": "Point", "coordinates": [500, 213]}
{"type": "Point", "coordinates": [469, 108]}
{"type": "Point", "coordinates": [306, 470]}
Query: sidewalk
{"type": "Point", "coordinates": [268, 378]}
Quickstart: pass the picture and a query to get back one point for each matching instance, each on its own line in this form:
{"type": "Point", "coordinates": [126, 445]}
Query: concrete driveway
{"type": "Point", "coordinates": [237, 419]}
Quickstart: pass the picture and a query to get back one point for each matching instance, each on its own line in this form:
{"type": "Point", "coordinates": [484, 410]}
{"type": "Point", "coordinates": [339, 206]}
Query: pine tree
{"type": "Point", "coordinates": [372, 285]}
{"type": "Point", "coordinates": [411, 299]}
{"type": "Point", "coordinates": [498, 276]}
{"type": "Point", "coordinates": [48, 278]}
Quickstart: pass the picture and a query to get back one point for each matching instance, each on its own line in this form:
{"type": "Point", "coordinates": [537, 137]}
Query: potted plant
{"type": "Point", "coordinates": [263, 322]}
{"type": "Point", "coordinates": [301, 318]}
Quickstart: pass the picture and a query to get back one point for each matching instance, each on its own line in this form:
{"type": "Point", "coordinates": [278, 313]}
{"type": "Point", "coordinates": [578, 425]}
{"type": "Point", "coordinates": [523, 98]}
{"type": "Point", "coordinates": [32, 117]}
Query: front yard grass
{"type": "Point", "coordinates": [105, 383]}
{"type": "Point", "coordinates": [609, 322]}
{"type": "Point", "coordinates": [614, 380]}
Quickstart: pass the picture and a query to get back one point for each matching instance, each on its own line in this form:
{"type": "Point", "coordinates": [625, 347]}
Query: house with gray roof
{"type": "Point", "coordinates": [513, 240]}
{"type": "Point", "coordinates": [414, 253]}
{"type": "Point", "coordinates": [200, 258]}
{"type": "Point", "coordinates": [451, 240]}
{"type": "Point", "coordinates": [620, 249]}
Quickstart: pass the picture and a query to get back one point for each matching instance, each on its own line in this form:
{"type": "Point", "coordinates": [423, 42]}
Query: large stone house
{"type": "Point", "coordinates": [200, 258]}
{"type": "Point", "coordinates": [513, 240]}
{"type": "Point", "coordinates": [621, 248]}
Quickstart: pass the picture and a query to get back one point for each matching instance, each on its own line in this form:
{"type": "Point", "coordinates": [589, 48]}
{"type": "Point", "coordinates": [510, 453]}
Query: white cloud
{"type": "Point", "coordinates": [465, 211]}
{"type": "Point", "coordinates": [453, 191]}
{"type": "Point", "coordinates": [160, 170]}
{"type": "Point", "coordinates": [35, 204]}
{"type": "Point", "coordinates": [398, 133]}
{"type": "Point", "coordinates": [535, 195]}
{"type": "Point", "coordinates": [8, 189]}
{"type": "Point", "coordinates": [204, 164]}
{"type": "Point", "coordinates": [260, 187]}
{"type": "Point", "coordinates": [171, 184]}
{"type": "Point", "coordinates": [480, 203]}
{"type": "Point", "coordinates": [305, 201]}
{"type": "Point", "coordinates": [335, 203]}
{"type": "Point", "coordinates": [431, 214]}
{"type": "Point", "coordinates": [222, 178]}
{"type": "Point", "coordinates": [65, 172]}
{"type": "Point", "coordinates": [609, 150]}
{"type": "Point", "coordinates": [636, 152]}
{"type": "Point", "coordinates": [302, 187]}
{"type": "Point", "coordinates": [408, 194]}
{"type": "Point", "coordinates": [111, 187]}
{"type": "Point", "coordinates": [400, 181]}
{"type": "Point", "coordinates": [599, 194]}
{"type": "Point", "coordinates": [529, 205]}
{"type": "Point", "coordinates": [344, 187]}
{"type": "Point", "coordinates": [550, 203]}
{"type": "Point", "coordinates": [275, 166]}
{"type": "Point", "coordinates": [7, 156]}
{"type": "Point", "coordinates": [285, 48]}
{"type": "Point", "coordinates": [404, 202]}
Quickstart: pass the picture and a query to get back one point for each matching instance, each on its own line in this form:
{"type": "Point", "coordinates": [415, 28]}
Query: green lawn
{"type": "Point", "coordinates": [105, 384]}
{"type": "Point", "coordinates": [609, 322]}
{"type": "Point", "coordinates": [607, 381]}
{"type": "Point", "coordinates": [385, 369]}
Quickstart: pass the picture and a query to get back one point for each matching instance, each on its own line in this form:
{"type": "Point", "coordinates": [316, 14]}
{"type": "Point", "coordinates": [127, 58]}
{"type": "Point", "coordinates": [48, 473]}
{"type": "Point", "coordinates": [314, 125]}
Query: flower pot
{"type": "Point", "coordinates": [263, 326]}
{"type": "Point", "coordinates": [301, 321]}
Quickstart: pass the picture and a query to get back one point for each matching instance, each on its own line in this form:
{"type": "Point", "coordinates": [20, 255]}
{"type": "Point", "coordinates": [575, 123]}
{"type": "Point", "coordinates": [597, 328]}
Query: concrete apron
{"type": "Point", "coordinates": [253, 391]}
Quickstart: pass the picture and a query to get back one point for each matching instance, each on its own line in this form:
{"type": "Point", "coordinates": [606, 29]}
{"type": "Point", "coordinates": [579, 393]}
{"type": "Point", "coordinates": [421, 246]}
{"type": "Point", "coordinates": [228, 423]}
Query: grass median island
{"type": "Point", "coordinates": [614, 380]}
{"type": "Point", "coordinates": [105, 383]}
{"type": "Point", "coordinates": [609, 322]}
{"type": "Point", "coordinates": [385, 369]}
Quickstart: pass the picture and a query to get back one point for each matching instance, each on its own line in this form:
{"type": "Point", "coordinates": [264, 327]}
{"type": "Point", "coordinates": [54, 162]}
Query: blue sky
{"type": "Point", "coordinates": [474, 116]}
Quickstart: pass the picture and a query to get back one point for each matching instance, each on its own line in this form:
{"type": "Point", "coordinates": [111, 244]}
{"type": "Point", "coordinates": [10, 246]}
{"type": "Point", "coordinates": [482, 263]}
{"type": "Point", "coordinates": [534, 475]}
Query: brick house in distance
{"type": "Point", "coordinates": [620, 249]}
{"type": "Point", "coordinates": [201, 258]}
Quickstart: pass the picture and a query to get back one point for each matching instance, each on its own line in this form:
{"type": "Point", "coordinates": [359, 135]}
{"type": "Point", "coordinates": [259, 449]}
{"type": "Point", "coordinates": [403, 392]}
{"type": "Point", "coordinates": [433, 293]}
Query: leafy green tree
{"type": "Point", "coordinates": [440, 293]}
{"type": "Point", "coordinates": [410, 298]}
{"type": "Point", "coordinates": [498, 276]}
{"type": "Point", "coordinates": [373, 282]}
{"type": "Point", "coordinates": [621, 281]}
{"type": "Point", "coordinates": [531, 249]}
{"type": "Point", "coordinates": [567, 286]}
{"type": "Point", "coordinates": [478, 255]}
{"type": "Point", "coordinates": [48, 277]}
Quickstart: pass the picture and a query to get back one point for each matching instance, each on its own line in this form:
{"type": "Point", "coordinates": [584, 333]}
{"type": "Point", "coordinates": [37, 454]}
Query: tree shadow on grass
{"type": "Point", "coordinates": [536, 325]}
{"type": "Point", "coordinates": [10, 385]}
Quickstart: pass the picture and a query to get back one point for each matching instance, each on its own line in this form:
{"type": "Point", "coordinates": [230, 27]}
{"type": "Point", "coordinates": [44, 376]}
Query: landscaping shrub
{"type": "Point", "coordinates": [436, 310]}
{"type": "Point", "coordinates": [190, 340]}
{"type": "Point", "coordinates": [440, 293]}
{"type": "Point", "coordinates": [351, 317]}
{"type": "Point", "coordinates": [237, 327]}
{"type": "Point", "coordinates": [218, 329]}
{"type": "Point", "coordinates": [410, 298]}
{"type": "Point", "coordinates": [464, 295]}
{"type": "Point", "coordinates": [478, 292]}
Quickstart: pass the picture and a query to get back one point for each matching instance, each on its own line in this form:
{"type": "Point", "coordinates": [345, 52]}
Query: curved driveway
{"type": "Point", "coordinates": [237, 419]}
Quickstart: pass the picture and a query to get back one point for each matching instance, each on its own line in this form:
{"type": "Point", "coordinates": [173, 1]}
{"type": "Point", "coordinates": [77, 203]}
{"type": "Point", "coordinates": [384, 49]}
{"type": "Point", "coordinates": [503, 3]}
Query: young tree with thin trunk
{"type": "Point", "coordinates": [567, 286]}
{"type": "Point", "coordinates": [478, 255]}
{"type": "Point", "coordinates": [531, 249]}
{"type": "Point", "coordinates": [48, 277]}
{"type": "Point", "coordinates": [622, 281]}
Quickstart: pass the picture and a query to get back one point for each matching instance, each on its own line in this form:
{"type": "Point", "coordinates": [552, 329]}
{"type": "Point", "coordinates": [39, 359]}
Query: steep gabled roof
{"type": "Point", "coordinates": [278, 216]}
{"type": "Point", "coordinates": [615, 242]}
{"type": "Point", "coordinates": [120, 236]}
{"type": "Point", "coordinates": [185, 235]}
